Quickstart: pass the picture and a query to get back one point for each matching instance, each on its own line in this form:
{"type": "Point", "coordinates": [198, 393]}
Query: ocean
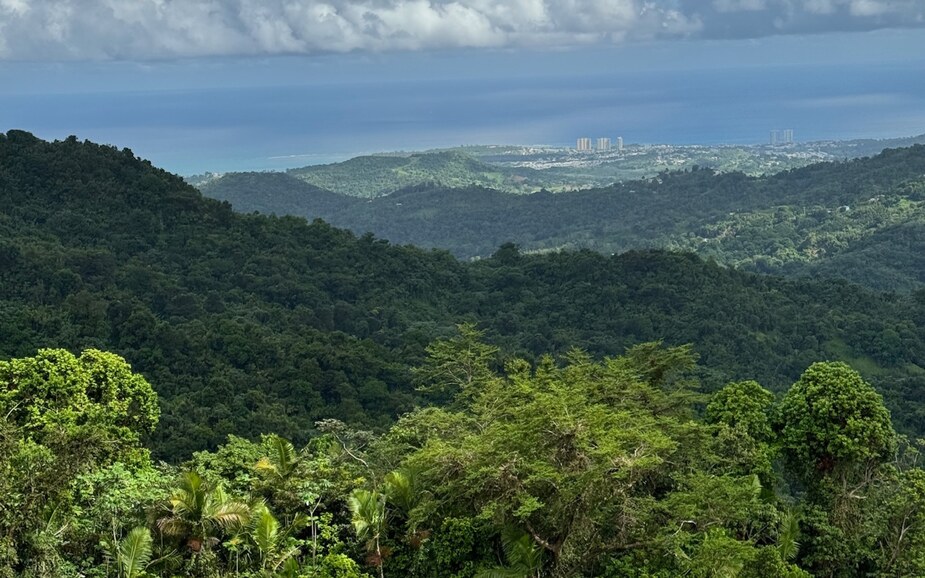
{"type": "Point", "coordinates": [317, 120]}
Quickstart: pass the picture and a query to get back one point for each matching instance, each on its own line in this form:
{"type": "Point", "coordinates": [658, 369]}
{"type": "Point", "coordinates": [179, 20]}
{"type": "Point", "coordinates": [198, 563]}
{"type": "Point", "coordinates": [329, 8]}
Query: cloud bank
{"type": "Point", "coordinates": [156, 29]}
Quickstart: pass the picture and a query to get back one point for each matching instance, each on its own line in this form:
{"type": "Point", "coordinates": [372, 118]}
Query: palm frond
{"type": "Point", "coordinates": [368, 509]}
{"type": "Point", "coordinates": [300, 521]}
{"type": "Point", "coordinates": [290, 569]}
{"type": "Point", "coordinates": [787, 537]}
{"type": "Point", "coordinates": [401, 489]}
{"type": "Point", "coordinates": [191, 492]}
{"type": "Point", "coordinates": [283, 558]}
{"type": "Point", "coordinates": [135, 552]}
{"type": "Point", "coordinates": [282, 458]}
{"type": "Point", "coordinates": [171, 525]}
{"type": "Point", "coordinates": [228, 514]}
{"type": "Point", "coordinates": [520, 549]}
{"type": "Point", "coordinates": [285, 455]}
{"type": "Point", "coordinates": [265, 533]}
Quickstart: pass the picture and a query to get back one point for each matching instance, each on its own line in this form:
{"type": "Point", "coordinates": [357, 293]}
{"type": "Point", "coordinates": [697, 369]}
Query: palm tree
{"type": "Point", "coordinates": [197, 512]}
{"type": "Point", "coordinates": [280, 471]}
{"type": "Point", "coordinates": [265, 544]}
{"type": "Point", "coordinates": [404, 493]}
{"type": "Point", "coordinates": [281, 461]}
{"type": "Point", "coordinates": [368, 509]}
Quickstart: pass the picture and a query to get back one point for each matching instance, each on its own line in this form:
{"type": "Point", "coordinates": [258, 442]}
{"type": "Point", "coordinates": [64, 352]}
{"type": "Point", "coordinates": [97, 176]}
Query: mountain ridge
{"type": "Point", "coordinates": [247, 324]}
{"type": "Point", "coordinates": [794, 221]}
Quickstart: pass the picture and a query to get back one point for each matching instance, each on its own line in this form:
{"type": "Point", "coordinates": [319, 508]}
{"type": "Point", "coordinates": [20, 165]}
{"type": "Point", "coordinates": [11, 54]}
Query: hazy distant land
{"type": "Point", "coordinates": [530, 168]}
{"type": "Point", "coordinates": [858, 219]}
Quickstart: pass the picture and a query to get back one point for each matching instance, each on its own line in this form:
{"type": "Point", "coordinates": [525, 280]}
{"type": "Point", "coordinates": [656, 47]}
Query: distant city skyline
{"type": "Point", "coordinates": [781, 136]}
{"type": "Point", "coordinates": [601, 143]}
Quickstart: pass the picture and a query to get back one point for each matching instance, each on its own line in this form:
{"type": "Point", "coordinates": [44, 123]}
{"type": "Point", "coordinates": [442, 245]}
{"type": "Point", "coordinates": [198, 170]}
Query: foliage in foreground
{"type": "Point", "coordinates": [565, 467]}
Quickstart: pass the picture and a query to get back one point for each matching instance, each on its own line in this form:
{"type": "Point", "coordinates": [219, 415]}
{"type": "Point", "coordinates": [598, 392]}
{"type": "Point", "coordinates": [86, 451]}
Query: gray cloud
{"type": "Point", "coordinates": [153, 29]}
{"type": "Point", "coordinates": [757, 18]}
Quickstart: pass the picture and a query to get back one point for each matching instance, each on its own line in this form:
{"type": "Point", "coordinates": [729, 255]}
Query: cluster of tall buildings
{"type": "Point", "coordinates": [779, 137]}
{"type": "Point", "coordinates": [584, 144]}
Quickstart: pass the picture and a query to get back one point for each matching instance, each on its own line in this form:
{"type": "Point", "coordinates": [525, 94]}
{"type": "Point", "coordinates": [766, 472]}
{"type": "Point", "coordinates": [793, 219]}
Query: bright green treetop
{"type": "Point", "coordinates": [745, 405]}
{"type": "Point", "coordinates": [832, 420]}
{"type": "Point", "coordinates": [61, 416]}
{"type": "Point", "coordinates": [56, 393]}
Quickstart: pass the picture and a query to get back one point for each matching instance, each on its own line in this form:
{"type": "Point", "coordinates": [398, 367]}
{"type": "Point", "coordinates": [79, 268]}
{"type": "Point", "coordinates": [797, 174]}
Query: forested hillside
{"type": "Point", "coordinates": [249, 324]}
{"type": "Point", "coordinates": [516, 416]}
{"type": "Point", "coordinates": [828, 219]}
{"type": "Point", "coordinates": [278, 189]}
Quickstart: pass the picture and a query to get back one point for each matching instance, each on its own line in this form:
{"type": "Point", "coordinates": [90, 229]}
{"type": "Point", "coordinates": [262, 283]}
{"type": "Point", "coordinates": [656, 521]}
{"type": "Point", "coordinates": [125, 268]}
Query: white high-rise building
{"type": "Point", "coordinates": [782, 136]}
{"type": "Point", "coordinates": [619, 143]}
{"type": "Point", "coordinates": [584, 144]}
{"type": "Point", "coordinates": [603, 143]}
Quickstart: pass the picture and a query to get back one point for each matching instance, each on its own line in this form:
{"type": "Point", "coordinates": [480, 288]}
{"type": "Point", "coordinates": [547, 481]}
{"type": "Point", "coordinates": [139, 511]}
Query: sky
{"type": "Point", "coordinates": [220, 85]}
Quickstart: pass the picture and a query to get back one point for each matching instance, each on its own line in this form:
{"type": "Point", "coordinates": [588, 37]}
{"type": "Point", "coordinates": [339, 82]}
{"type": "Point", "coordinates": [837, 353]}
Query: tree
{"type": "Point", "coordinates": [454, 365]}
{"type": "Point", "coordinates": [902, 543]}
{"type": "Point", "coordinates": [740, 412]}
{"type": "Point", "coordinates": [369, 519]}
{"type": "Point", "coordinates": [833, 424]}
{"type": "Point", "coordinates": [62, 416]}
{"type": "Point", "coordinates": [745, 406]}
{"type": "Point", "coordinates": [198, 513]}
{"type": "Point", "coordinates": [93, 404]}
{"type": "Point", "coordinates": [836, 436]}
{"type": "Point", "coordinates": [563, 454]}
{"type": "Point", "coordinates": [111, 502]}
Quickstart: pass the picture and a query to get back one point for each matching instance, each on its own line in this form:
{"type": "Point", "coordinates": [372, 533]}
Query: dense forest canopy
{"type": "Point", "coordinates": [324, 414]}
{"type": "Point", "coordinates": [560, 468]}
{"type": "Point", "coordinates": [862, 219]}
{"type": "Point", "coordinates": [246, 324]}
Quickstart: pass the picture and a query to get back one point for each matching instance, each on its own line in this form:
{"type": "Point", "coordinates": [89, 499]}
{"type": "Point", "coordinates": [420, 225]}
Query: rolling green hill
{"type": "Point", "coordinates": [824, 219]}
{"type": "Point", "coordinates": [528, 169]}
{"type": "Point", "coordinates": [267, 192]}
{"type": "Point", "coordinates": [249, 324]}
{"type": "Point", "coordinates": [374, 176]}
